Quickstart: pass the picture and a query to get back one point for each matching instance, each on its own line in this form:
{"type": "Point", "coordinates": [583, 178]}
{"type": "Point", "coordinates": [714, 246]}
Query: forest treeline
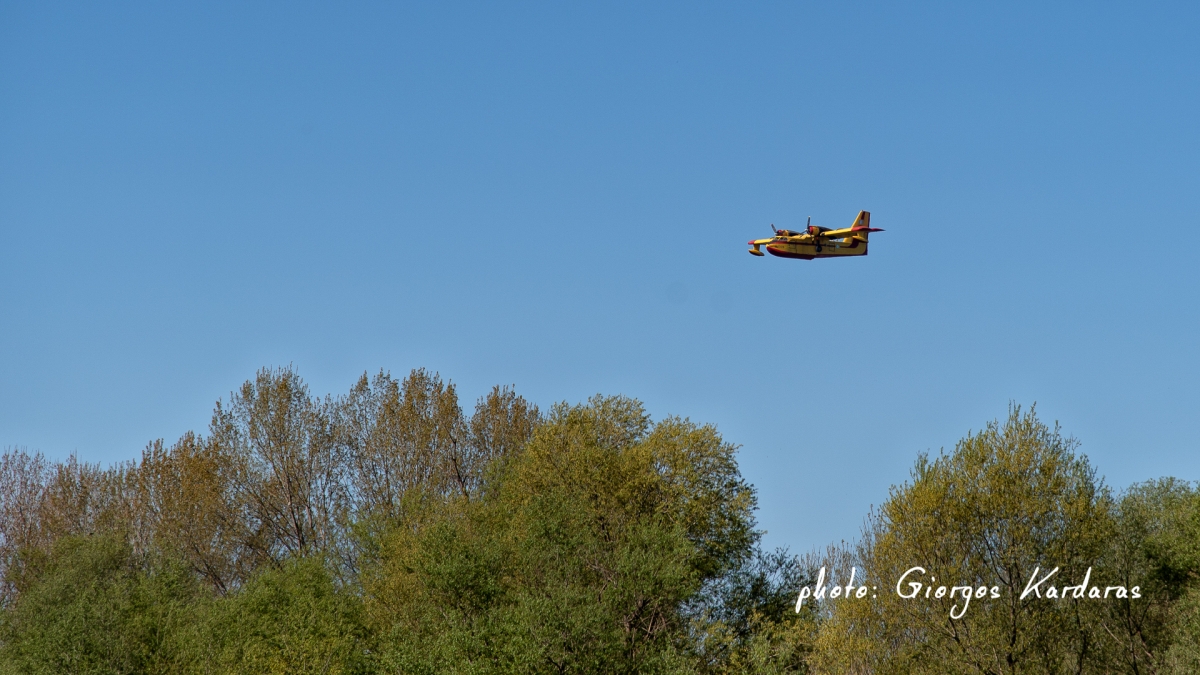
{"type": "Point", "coordinates": [388, 530]}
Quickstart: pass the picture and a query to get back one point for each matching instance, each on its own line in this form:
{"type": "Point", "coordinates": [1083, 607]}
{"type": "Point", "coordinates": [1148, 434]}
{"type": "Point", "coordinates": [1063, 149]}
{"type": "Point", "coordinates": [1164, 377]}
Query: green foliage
{"type": "Point", "coordinates": [1160, 548]}
{"type": "Point", "coordinates": [290, 620]}
{"type": "Point", "coordinates": [386, 531]}
{"type": "Point", "coordinates": [581, 561]}
{"type": "Point", "coordinates": [1182, 655]}
{"type": "Point", "coordinates": [95, 610]}
{"type": "Point", "coordinates": [745, 620]}
{"type": "Point", "coordinates": [1155, 548]}
{"type": "Point", "coordinates": [1009, 501]}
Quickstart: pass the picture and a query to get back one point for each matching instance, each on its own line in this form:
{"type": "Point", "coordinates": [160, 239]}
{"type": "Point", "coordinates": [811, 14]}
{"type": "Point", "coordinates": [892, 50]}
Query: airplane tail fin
{"type": "Point", "coordinates": [862, 226]}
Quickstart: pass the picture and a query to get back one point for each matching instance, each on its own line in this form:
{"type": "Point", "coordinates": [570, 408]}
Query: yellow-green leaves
{"type": "Point", "coordinates": [1010, 506]}
{"type": "Point", "coordinates": [579, 559]}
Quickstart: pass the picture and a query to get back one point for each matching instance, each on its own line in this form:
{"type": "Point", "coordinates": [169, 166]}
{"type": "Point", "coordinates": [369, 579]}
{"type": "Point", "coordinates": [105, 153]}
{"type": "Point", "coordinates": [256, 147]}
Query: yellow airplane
{"type": "Point", "coordinates": [819, 242]}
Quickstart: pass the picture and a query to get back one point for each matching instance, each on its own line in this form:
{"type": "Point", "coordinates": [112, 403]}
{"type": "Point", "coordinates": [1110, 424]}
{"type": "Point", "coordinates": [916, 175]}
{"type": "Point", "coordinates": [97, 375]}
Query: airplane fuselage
{"type": "Point", "coordinates": [794, 247]}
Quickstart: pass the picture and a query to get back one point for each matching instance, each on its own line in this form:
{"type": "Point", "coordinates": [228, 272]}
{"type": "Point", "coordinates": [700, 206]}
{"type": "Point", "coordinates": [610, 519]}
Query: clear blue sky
{"type": "Point", "coordinates": [557, 196]}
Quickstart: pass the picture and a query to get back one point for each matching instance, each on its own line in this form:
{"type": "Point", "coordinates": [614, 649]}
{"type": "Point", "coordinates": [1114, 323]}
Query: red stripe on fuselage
{"type": "Point", "coordinates": [801, 256]}
{"type": "Point", "coordinates": [785, 254]}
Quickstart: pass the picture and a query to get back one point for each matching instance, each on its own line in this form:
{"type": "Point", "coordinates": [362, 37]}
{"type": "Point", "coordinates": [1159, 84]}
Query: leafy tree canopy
{"type": "Point", "coordinates": [388, 530]}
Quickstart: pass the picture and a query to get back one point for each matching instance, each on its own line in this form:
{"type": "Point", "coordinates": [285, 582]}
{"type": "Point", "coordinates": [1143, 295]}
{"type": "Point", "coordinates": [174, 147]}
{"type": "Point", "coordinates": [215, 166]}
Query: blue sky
{"type": "Point", "coordinates": [557, 196]}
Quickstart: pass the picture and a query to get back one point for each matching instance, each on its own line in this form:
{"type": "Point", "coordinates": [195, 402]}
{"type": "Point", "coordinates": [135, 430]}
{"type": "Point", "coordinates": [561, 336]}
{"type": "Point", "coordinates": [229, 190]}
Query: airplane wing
{"type": "Point", "coordinates": [759, 242]}
{"type": "Point", "coordinates": [848, 232]}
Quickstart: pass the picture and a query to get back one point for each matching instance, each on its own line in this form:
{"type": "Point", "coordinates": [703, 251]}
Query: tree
{"type": "Point", "coordinates": [1010, 502]}
{"type": "Point", "coordinates": [580, 560]}
{"type": "Point", "coordinates": [1182, 656]}
{"type": "Point", "coordinates": [293, 619]}
{"type": "Point", "coordinates": [744, 621]}
{"type": "Point", "coordinates": [189, 504]}
{"type": "Point", "coordinates": [281, 447]}
{"type": "Point", "coordinates": [23, 479]}
{"type": "Point", "coordinates": [1157, 547]}
{"type": "Point", "coordinates": [95, 608]}
{"type": "Point", "coordinates": [502, 424]}
{"type": "Point", "coordinates": [42, 502]}
{"type": "Point", "coordinates": [400, 437]}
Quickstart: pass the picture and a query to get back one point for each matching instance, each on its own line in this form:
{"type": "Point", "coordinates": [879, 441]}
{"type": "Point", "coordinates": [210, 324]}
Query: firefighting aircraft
{"type": "Point", "coordinates": [819, 242]}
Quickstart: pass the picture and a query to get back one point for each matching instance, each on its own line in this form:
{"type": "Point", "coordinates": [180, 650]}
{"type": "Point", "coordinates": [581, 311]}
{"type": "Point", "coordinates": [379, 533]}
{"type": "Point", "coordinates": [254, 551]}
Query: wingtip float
{"type": "Point", "coordinates": [818, 242]}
